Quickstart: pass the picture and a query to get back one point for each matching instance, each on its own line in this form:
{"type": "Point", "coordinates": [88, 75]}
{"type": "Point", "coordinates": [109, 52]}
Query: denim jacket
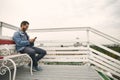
{"type": "Point", "coordinates": [22, 40]}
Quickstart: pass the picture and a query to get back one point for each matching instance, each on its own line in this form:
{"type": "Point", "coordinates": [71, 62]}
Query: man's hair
{"type": "Point", "coordinates": [24, 23]}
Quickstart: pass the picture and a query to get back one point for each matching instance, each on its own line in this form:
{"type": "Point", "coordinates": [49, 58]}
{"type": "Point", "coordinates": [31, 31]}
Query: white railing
{"type": "Point", "coordinates": [82, 53]}
{"type": "Point", "coordinates": [104, 63]}
{"type": "Point", "coordinates": [105, 35]}
{"type": "Point", "coordinates": [65, 53]}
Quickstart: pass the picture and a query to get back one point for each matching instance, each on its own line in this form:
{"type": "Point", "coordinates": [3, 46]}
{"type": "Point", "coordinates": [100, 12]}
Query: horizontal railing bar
{"type": "Point", "coordinates": [67, 52]}
{"type": "Point", "coordinates": [64, 48]}
{"type": "Point", "coordinates": [105, 56]}
{"type": "Point", "coordinates": [106, 73]}
{"type": "Point", "coordinates": [105, 60]}
{"type": "Point", "coordinates": [64, 60]}
{"type": "Point", "coordinates": [66, 56]}
{"type": "Point", "coordinates": [60, 41]}
{"type": "Point", "coordinates": [104, 64]}
{"type": "Point", "coordinates": [103, 67]}
{"type": "Point", "coordinates": [110, 50]}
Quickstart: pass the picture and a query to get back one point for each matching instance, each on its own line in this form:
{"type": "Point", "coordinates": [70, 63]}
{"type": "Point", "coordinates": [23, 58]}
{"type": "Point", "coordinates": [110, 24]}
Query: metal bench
{"type": "Point", "coordinates": [10, 58]}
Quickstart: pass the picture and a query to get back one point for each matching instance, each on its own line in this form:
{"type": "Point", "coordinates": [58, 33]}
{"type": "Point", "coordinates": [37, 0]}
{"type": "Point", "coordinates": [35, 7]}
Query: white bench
{"type": "Point", "coordinates": [10, 59]}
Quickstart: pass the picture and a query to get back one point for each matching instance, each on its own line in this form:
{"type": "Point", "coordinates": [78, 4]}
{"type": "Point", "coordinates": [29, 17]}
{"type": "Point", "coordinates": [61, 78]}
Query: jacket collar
{"type": "Point", "coordinates": [21, 32]}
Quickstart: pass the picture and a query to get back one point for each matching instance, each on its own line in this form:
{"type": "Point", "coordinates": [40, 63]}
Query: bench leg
{"type": "Point", "coordinates": [14, 67]}
{"type": "Point", "coordinates": [4, 68]}
{"type": "Point", "coordinates": [31, 64]}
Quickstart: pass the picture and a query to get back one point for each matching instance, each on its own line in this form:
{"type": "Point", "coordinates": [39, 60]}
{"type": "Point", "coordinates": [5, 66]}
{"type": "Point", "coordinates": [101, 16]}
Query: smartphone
{"type": "Point", "coordinates": [35, 38]}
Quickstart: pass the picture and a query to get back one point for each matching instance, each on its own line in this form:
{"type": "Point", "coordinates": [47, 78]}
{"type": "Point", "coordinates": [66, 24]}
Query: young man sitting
{"type": "Point", "coordinates": [26, 45]}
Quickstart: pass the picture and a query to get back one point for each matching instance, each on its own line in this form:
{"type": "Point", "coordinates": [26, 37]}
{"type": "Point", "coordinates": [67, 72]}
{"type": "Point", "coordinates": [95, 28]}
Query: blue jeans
{"type": "Point", "coordinates": [32, 51]}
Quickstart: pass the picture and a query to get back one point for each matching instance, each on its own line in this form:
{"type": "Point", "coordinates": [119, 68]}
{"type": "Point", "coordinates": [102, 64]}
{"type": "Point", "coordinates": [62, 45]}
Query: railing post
{"type": "Point", "coordinates": [0, 28]}
{"type": "Point", "coordinates": [88, 39]}
{"type": "Point", "coordinates": [88, 45]}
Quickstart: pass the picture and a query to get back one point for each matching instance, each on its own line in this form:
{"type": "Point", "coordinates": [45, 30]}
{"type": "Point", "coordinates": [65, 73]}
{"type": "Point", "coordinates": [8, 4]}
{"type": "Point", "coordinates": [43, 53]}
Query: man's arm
{"type": "Point", "coordinates": [19, 41]}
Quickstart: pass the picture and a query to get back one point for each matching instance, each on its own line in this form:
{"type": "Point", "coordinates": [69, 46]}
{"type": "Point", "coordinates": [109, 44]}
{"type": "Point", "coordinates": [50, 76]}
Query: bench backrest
{"type": "Point", "coordinates": [7, 46]}
{"type": "Point", "coordinates": [6, 40]}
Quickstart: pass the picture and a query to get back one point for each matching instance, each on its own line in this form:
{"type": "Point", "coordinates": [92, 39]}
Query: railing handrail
{"type": "Point", "coordinates": [59, 29]}
{"type": "Point", "coordinates": [65, 29]}
{"type": "Point", "coordinates": [105, 35]}
{"type": "Point", "coordinates": [9, 26]}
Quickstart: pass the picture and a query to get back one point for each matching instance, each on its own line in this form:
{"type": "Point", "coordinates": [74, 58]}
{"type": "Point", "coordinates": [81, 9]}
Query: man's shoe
{"type": "Point", "coordinates": [34, 69]}
{"type": "Point", "coordinates": [38, 68]}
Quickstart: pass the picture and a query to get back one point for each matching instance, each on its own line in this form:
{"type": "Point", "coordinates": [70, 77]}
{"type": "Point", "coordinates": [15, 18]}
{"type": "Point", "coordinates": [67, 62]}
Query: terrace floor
{"type": "Point", "coordinates": [56, 72]}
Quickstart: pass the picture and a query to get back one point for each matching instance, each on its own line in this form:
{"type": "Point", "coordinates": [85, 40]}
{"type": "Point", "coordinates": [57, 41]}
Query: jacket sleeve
{"type": "Point", "coordinates": [18, 40]}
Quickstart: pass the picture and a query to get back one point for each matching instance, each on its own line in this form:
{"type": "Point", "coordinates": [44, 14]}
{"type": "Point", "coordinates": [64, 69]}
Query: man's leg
{"type": "Point", "coordinates": [31, 52]}
{"type": "Point", "coordinates": [41, 53]}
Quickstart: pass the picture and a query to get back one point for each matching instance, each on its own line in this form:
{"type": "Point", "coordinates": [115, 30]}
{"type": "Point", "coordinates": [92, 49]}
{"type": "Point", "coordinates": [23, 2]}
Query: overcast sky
{"type": "Point", "coordinates": [103, 15]}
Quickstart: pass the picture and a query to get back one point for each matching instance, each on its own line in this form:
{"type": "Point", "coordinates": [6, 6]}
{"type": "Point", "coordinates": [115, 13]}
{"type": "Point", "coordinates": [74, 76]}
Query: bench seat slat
{"type": "Point", "coordinates": [12, 56]}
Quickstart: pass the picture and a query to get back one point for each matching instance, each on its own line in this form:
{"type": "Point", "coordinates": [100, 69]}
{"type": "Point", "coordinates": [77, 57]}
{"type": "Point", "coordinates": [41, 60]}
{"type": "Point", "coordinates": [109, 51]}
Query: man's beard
{"type": "Point", "coordinates": [24, 29]}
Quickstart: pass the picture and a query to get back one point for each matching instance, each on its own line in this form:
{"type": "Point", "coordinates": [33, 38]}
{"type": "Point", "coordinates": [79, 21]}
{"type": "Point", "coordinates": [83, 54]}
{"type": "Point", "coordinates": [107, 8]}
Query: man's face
{"type": "Point", "coordinates": [24, 27]}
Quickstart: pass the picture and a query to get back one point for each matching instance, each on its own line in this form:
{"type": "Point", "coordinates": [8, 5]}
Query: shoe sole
{"type": "Point", "coordinates": [34, 70]}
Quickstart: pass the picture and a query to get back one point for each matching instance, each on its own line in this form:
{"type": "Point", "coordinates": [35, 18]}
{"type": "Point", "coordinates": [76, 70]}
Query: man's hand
{"type": "Point", "coordinates": [32, 40]}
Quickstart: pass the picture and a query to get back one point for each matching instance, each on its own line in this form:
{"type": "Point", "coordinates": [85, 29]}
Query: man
{"type": "Point", "coordinates": [26, 45]}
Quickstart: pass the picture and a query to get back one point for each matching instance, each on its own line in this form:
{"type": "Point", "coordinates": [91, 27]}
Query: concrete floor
{"type": "Point", "coordinates": [56, 72]}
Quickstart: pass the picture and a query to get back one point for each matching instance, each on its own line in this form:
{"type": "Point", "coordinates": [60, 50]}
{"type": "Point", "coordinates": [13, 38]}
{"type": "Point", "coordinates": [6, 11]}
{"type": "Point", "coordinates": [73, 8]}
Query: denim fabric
{"type": "Point", "coordinates": [32, 51]}
{"type": "Point", "coordinates": [22, 40]}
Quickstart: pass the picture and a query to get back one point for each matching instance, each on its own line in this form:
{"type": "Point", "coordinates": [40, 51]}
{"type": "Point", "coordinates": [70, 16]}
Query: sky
{"type": "Point", "coordinates": [103, 15]}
